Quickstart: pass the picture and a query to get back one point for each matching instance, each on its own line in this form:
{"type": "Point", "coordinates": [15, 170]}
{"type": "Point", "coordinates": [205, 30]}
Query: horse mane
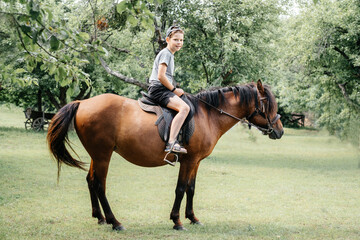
{"type": "Point", "coordinates": [246, 94]}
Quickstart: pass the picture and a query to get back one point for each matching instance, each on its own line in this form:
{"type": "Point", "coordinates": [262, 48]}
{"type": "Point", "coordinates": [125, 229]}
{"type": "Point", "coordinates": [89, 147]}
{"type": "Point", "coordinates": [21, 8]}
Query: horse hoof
{"type": "Point", "coordinates": [119, 228]}
{"type": "Point", "coordinates": [179, 228]}
{"type": "Point", "coordinates": [197, 223]}
{"type": "Point", "coordinates": [101, 221]}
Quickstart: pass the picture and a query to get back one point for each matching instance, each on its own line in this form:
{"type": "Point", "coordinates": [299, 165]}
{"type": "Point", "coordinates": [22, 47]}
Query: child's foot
{"type": "Point", "coordinates": [175, 147]}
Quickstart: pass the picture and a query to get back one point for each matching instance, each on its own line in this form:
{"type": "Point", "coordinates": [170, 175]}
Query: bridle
{"type": "Point", "coordinates": [257, 111]}
{"type": "Point", "coordinates": [261, 112]}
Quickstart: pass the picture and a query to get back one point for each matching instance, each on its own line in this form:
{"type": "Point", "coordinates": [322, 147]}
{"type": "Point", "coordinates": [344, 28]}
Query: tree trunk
{"type": "Point", "coordinates": [39, 101]}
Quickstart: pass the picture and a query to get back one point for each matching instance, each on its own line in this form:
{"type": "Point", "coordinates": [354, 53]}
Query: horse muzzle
{"type": "Point", "coordinates": [276, 134]}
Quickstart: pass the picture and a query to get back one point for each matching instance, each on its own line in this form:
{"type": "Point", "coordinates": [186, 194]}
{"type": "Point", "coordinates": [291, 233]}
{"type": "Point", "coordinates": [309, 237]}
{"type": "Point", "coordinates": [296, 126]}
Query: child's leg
{"type": "Point", "coordinates": [183, 110]}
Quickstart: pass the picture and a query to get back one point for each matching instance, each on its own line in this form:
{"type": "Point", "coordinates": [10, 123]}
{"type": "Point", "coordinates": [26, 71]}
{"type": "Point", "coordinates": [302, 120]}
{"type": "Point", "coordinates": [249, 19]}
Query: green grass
{"type": "Point", "coordinates": [304, 186]}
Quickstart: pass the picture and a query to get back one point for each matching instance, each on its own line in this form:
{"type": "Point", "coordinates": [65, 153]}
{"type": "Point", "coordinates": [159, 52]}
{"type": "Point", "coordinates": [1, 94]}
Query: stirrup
{"type": "Point", "coordinates": [168, 161]}
{"type": "Point", "coordinates": [171, 148]}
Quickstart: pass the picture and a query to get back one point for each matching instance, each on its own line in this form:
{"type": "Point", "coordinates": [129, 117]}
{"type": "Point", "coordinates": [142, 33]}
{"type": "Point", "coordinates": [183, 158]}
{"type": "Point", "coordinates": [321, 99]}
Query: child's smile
{"type": "Point", "coordinates": [175, 43]}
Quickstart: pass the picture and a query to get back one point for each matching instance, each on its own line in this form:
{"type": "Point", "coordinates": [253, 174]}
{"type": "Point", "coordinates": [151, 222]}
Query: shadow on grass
{"type": "Point", "coordinates": [231, 230]}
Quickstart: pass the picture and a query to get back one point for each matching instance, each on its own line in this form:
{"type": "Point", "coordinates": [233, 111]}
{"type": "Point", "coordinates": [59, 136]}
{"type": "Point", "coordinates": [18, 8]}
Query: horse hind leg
{"type": "Point", "coordinates": [110, 218]}
{"type": "Point", "coordinates": [96, 211]}
{"type": "Point", "coordinates": [100, 170]}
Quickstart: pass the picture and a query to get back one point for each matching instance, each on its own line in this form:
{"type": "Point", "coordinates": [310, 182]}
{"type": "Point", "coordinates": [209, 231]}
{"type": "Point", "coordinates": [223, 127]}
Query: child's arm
{"type": "Point", "coordinates": [163, 79]}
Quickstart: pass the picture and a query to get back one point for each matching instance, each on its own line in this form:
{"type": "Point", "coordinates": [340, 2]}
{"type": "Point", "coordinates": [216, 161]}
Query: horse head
{"type": "Point", "coordinates": [264, 115]}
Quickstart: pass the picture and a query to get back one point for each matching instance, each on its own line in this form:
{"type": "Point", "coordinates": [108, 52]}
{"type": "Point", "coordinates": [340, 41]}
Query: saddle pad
{"type": "Point", "coordinates": [164, 119]}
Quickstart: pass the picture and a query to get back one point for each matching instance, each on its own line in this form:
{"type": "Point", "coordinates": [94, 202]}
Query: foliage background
{"type": "Point", "coordinates": [56, 51]}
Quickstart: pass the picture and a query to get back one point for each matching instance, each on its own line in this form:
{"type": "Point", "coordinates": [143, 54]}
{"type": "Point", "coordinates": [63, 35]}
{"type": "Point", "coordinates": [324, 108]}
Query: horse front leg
{"type": "Point", "coordinates": [186, 174]}
{"type": "Point", "coordinates": [189, 212]}
{"type": "Point", "coordinates": [190, 192]}
{"type": "Point", "coordinates": [179, 194]}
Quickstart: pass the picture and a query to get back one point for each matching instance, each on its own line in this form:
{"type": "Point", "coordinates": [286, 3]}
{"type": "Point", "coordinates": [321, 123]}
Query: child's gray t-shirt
{"type": "Point", "coordinates": [164, 56]}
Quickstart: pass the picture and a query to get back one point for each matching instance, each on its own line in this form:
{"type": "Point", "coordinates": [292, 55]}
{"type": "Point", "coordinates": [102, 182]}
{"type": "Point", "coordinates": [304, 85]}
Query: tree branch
{"type": "Point", "coordinates": [347, 98]}
{"type": "Point", "coordinates": [117, 49]}
{"type": "Point", "coordinates": [122, 77]}
{"type": "Point", "coordinates": [62, 95]}
{"type": "Point", "coordinates": [226, 75]}
{"type": "Point", "coordinates": [206, 72]}
{"type": "Point", "coordinates": [158, 38]}
{"type": "Point", "coordinates": [22, 42]}
{"type": "Point", "coordinates": [342, 53]}
{"type": "Point", "coordinates": [356, 68]}
{"type": "Point", "coordinates": [94, 17]}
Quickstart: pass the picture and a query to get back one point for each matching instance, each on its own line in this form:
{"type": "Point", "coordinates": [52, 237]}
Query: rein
{"type": "Point", "coordinates": [246, 120]}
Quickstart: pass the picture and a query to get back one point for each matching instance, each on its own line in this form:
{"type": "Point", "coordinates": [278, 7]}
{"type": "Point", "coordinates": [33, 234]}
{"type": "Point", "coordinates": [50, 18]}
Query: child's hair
{"type": "Point", "coordinates": [172, 30]}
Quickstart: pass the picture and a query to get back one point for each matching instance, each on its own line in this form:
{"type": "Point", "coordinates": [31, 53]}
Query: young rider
{"type": "Point", "coordinates": [163, 86]}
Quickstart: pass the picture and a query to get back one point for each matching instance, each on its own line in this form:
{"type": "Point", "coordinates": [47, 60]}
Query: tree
{"type": "Point", "coordinates": [321, 65]}
{"type": "Point", "coordinates": [59, 44]}
{"type": "Point", "coordinates": [227, 42]}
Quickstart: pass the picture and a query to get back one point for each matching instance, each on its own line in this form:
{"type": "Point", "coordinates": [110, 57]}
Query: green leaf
{"type": "Point", "coordinates": [44, 67]}
{"type": "Point", "coordinates": [52, 68]}
{"type": "Point", "coordinates": [34, 14]}
{"type": "Point", "coordinates": [30, 63]}
{"type": "Point", "coordinates": [50, 15]}
{"type": "Point", "coordinates": [102, 50]}
{"type": "Point", "coordinates": [19, 70]}
{"type": "Point", "coordinates": [34, 10]}
{"type": "Point", "coordinates": [62, 77]}
{"type": "Point", "coordinates": [70, 91]}
{"type": "Point", "coordinates": [132, 20]}
{"type": "Point", "coordinates": [85, 61]}
{"type": "Point", "coordinates": [62, 72]}
{"type": "Point", "coordinates": [27, 41]}
{"type": "Point", "coordinates": [122, 6]}
{"type": "Point", "coordinates": [54, 43]}
{"type": "Point", "coordinates": [34, 36]}
{"type": "Point", "coordinates": [25, 28]}
{"type": "Point", "coordinates": [84, 36]}
{"type": "Point", "coordinates": [64, 34]}
{"type": "Point", "coordinates": [23, 18]}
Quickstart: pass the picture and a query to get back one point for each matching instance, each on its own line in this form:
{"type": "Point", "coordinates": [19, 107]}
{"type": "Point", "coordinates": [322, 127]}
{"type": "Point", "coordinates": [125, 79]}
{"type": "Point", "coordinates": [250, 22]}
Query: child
{"type": "Point", "coordinates": [163, 86]}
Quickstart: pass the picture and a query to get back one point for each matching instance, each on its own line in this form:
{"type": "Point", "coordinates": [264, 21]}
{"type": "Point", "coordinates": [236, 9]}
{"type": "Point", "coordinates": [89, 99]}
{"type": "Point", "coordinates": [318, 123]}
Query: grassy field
{"type": "Point", "coordinates": [304, 186]}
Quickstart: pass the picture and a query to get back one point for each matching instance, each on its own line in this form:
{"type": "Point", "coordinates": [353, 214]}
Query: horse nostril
{"type": "Point", "coordinates": [280, 133]}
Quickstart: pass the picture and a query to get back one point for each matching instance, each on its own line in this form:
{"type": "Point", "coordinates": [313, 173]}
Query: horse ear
{"type": "Point", "coordinates": [260, 87]}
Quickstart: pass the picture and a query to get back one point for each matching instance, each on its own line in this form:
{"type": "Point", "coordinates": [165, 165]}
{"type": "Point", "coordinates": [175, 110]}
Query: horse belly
{"type": "Point", "coordinates": [138, 140]}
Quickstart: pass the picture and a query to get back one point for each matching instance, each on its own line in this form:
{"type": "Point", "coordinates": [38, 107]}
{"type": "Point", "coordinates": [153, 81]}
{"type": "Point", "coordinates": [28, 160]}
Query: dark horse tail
{"type": "Point", "coordinates": [58, 135]}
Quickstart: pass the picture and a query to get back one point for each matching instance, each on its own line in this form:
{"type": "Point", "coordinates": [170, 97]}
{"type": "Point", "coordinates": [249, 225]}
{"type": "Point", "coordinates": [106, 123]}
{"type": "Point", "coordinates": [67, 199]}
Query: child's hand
{"type": "Point", "coordinates": [179, 92]}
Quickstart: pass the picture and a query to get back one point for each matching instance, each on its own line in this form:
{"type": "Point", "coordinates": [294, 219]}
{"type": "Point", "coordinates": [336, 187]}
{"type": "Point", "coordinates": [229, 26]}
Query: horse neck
{"type": "Point", "coordinates": [221, 122]}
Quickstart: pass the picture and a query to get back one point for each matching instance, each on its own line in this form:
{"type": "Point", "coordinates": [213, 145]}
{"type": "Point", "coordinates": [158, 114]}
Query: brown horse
{"type": "Point", "coordinates": [108, 123]}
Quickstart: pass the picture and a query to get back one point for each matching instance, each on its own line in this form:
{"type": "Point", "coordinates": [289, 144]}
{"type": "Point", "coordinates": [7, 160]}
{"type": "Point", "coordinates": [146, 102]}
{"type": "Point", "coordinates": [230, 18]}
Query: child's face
{"type": "Point", "coordinates": [176, 41]}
